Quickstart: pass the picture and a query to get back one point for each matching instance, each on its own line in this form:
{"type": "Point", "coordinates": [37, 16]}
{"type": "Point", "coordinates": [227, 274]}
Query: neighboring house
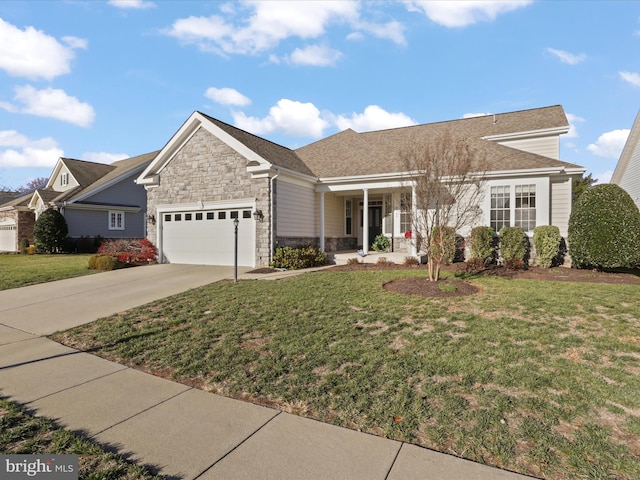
{"type": "Point", "coordinates": [16, 220]}
{"type": "Point", "coordinates": [627, 172]}
{"type": "Point", "coordinates": [96, 200]}
{"type": "Point", "coordinates": [340, 192]}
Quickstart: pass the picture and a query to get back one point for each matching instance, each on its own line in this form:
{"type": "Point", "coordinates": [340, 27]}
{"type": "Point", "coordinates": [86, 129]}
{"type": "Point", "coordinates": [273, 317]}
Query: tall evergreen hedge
{"type": "Point", "coordinates": [604, 229]}
{"type": "Point", "coordinates": [49, 231]}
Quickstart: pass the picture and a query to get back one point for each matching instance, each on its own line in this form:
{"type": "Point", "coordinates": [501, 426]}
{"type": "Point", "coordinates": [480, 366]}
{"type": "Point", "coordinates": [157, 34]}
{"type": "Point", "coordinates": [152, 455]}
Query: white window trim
{"type": "Point", "coordinates": [543, 197]}
{"type": "Point", "coordinates": [114, 224]}
{"type": "Point", "coordinates": [64, 179]}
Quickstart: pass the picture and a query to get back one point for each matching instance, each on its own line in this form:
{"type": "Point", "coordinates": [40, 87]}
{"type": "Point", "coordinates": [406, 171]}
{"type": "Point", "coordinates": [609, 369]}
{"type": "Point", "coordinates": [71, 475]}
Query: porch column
{"type": "Point", "coordinates": [365, 222]}
{"type": "Point", "coordinates": [414, 215]}
{"type": "Point", "coordinates": [322, 221]}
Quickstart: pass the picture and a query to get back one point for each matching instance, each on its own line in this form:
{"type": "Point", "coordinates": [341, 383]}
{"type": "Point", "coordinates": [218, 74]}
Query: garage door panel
{"type": "Point", "coordinates": [8, 237]}
{"type": "Point", "coordinates": [207, 237]}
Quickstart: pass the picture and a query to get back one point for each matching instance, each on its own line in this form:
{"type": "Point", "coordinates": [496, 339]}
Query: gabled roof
{"type": "Point", "coordinates": [632, 143]}
{"type": "Point", "coordinates": [18, 200]}
{"type": "Point", "coordinates": [93, 177]}
{"type": "Point", "coordinates": [259, 152]}
{"type": "Point", "coordinates": [349, 153]}
{"type": "Point", "coordinates": [272, 152]}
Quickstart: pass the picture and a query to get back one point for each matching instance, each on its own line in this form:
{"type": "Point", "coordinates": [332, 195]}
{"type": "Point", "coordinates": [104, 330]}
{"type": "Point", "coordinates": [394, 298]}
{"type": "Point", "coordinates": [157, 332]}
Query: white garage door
{"type": "Point", "coordinates": [8, 237]}
{"type": "Point", "coordinates": [206, 237]}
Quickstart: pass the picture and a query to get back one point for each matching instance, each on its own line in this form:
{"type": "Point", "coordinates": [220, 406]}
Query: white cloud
{"type": "Point", "coordinates": [463, 13]}
{"type": "Point", "coordinates": [631, 77]}
{"type": "Point", "coordinates": [33, 54]}
{"type": "Point", "coordinates": [392, 30]}
{"type": "Point", "coordinates": [53, 103]}
{"type": "Point", "coordinates": [256, 26]}
{"type": "Point", "coordinates": [227, 96]}
{"type": "Point", "coordinates": [566, 57]}
{"type": "Point", "coordinates": [103, 157]}
{"type": "Point", "coordinates": [603, 177]}
{"type": "Point", "coordinates": [315, 55]}
{"type": "Point", "coordinates": [373, 118]}
{"type": "Point", "coordinates": [288, 117]}
{"type": "Point", "coordinates": [610, 144]}
{"type": "Point", "coordinates": [21, 151]}
{"type": "Point", "coordinates": [573, 119]}
{"type": "Point", "coordinates": [132, 4]}
{"type": "Point", "coordinates": [472, 115]}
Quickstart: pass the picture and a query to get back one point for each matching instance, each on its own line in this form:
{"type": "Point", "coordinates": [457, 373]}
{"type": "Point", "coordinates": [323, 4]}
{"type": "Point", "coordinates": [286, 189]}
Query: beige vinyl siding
{"type": "Point", "coordinates": [547, 146]}
{"type": "Point", "coordinates": [561, 204]}
{"type": "Point", "coordinates": [333, 215]}
{"type": "Point", "coordinates": [295, 209]}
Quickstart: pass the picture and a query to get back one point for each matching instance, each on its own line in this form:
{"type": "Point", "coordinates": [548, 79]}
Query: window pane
{"type": "Point", "coordinates": [178, 217]}
{"type": "Point", "coordinates": [234, 214]}
{"type": "Point", "coordinates": [187, 216]}
{"type": "Point", "coordinates": [211, 215]}
{"type": "Point", "coordinates": [167, 217]}
{"type": "Point", "coordinates": [222, 215]}
{"type": "Point", "coordinates": [199, 216]}
{"type": "Point", "coordinates": [246, 214]}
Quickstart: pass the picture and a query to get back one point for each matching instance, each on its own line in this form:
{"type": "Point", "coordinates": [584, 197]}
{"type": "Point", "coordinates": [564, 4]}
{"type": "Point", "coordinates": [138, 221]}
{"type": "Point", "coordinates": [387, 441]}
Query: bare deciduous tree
{"type": "Point", "coordinates": [447, 174]}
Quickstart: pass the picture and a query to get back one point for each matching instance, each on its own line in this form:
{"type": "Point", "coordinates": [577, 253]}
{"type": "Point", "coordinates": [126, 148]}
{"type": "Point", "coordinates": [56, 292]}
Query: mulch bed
{"type": "Point", "coordinates": [445, 288]}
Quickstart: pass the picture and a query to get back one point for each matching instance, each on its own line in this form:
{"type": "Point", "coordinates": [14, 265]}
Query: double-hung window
{"type": "Point", "coordinates": [116, 220]}
{"type": "Point", "coordinates": [500, 208]}
{"type": "Point", "coordinates": [525, 207]}
{"type": "Point", "coordinates": [513, 207]}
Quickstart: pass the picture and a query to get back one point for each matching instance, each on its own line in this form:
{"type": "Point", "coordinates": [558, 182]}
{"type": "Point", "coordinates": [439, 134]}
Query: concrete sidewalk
{"type": "Point", "coordinates": [179, 431]}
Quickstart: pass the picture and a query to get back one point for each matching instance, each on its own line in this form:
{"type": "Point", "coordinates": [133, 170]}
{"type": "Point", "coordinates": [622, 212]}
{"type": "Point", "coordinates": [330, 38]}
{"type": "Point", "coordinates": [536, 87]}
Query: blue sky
{"type": "Point", "coordinates": [105, 80]}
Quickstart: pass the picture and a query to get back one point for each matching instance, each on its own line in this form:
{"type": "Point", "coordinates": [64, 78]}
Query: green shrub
{"type": "Point", "coordinates": [294, 258]}
{"type": "Point", "coordinates": [547, 242]}
{"type": "Point", "coordinates": [381, 243]}
{"type": "Point", "coordinates": [482, 245]}
{"type": "Point", "coordinates": [104, 262]}
{"type": "Point", "coordinates": [50, 231]}
{"type": "Point", "coordinates": [514, 246]}
{"type": "Point", "coordinates": [443, 243]}
{"type": "Point", "coordinates": [604, 229]}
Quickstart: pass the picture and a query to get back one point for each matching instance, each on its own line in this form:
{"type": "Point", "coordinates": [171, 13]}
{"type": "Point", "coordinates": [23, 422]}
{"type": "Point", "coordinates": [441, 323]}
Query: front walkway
{"type": "Point", "coordinates": [182, 432]}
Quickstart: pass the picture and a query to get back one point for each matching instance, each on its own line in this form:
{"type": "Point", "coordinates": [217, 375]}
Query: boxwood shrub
{"type": "Point", "coordinates": [294, 258]}
{"type": "Point", "coordinates": [604, 229]}
{"type": "Point", "coordinates": [547, 242]}
{"type": "Point", "coordinates": [514, 247]}
{"type": "Point", "coordinates": [482, 246]}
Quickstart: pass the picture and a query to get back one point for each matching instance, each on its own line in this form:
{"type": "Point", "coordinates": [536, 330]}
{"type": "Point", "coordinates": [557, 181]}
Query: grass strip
{"type": "Point", "coordinates": [22, 433]}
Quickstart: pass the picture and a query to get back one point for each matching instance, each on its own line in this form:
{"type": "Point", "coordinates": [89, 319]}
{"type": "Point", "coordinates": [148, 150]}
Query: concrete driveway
{"type": "Point", "coordinates": [49, 307]}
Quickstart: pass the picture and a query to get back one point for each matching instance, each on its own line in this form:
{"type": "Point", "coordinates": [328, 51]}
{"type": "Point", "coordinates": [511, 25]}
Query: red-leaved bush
{"type": "Point", "coordinates": [129, 250]}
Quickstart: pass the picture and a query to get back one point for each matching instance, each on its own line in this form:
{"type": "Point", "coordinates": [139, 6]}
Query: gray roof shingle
{"type": "Point", "coordinates": [354, 154]}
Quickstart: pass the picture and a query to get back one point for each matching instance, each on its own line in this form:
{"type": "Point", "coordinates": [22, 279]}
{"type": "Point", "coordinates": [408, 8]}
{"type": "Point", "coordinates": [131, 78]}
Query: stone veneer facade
{"type": "Point", "coordinates": [206, 169]}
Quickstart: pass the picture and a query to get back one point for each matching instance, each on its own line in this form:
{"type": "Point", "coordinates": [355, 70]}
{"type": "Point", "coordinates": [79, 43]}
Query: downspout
{"type": "Point", "coordinates": [272, 233]}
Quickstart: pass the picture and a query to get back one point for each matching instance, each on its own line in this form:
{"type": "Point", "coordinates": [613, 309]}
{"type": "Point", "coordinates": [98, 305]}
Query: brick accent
{"type": "Point", "coordinates": [206, 169]}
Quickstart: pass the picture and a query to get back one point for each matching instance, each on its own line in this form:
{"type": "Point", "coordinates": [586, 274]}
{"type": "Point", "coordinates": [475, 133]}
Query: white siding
{"type": "Point", "coordinates": [295, 209]}
{"type": "Point", "coordinates": [333, 215]}
{"type": "Point", "coordinates": [561, 204]}
{"type": "Point", "coordinates": [630, 180]}
{"type": "Point", "coordinates": [546, 146]}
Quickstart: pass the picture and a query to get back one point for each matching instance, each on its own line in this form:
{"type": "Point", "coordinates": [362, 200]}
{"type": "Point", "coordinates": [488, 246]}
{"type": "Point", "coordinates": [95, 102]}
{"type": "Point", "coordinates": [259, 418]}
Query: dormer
{"type": "Point", "coordinates": [62, 179]}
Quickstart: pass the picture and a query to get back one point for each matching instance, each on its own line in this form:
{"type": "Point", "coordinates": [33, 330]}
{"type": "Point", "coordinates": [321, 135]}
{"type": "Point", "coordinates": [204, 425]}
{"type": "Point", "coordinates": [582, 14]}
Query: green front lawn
{"type": "Point", "coordinates": [538, 377]}
{"type": "Point", "coordinates": [22, 270]}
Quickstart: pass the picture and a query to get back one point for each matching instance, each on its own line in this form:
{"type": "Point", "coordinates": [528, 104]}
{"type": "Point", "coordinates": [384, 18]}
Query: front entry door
{"type": "Point", "coordinates": [375, 223]}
